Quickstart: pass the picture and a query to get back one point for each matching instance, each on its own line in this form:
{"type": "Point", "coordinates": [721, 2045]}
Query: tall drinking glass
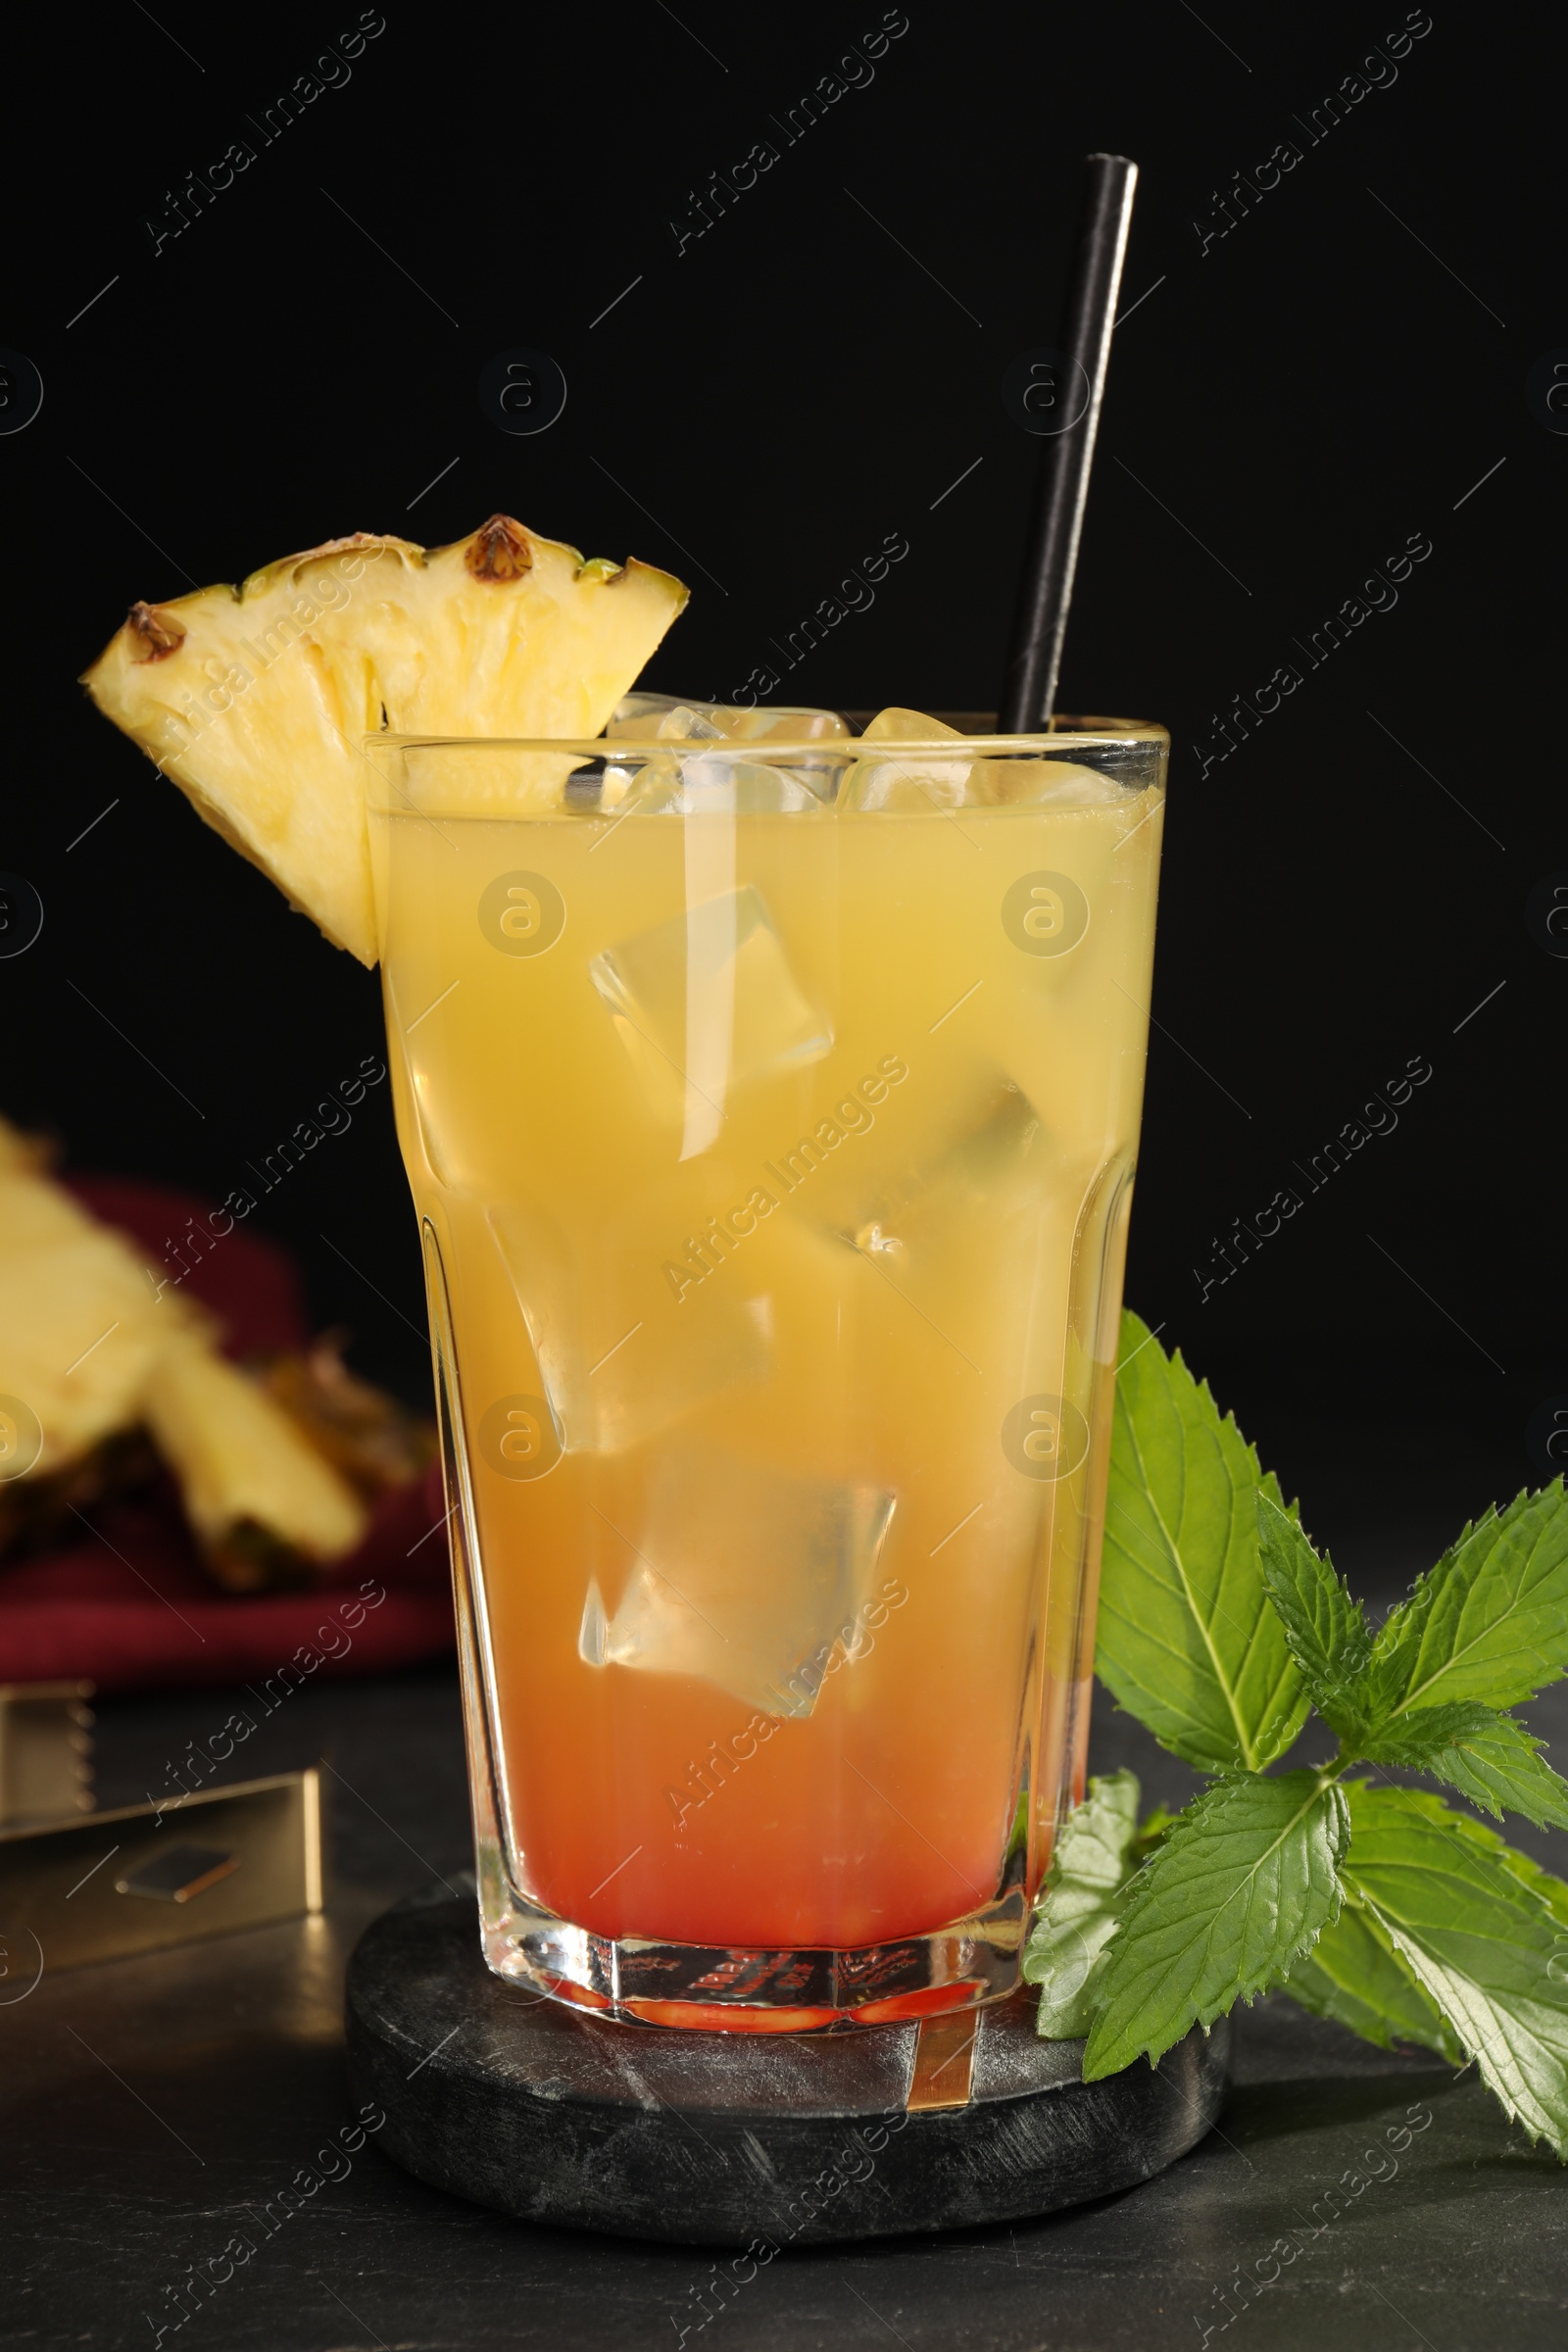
{"type": "Point", "coordinates": [770, 1112]}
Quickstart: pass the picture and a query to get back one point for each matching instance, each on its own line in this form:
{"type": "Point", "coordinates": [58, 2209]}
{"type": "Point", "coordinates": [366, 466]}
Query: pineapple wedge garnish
{"type": "Point", "coordinates": [255, 698]}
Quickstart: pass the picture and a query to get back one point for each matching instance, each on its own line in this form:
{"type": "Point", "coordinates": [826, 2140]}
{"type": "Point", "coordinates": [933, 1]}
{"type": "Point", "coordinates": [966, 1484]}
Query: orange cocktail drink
{"type": "Point", "coordinates": [770, 1115]}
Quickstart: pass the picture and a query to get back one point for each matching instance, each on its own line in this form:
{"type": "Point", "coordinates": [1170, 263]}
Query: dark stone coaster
{"type": "Point", "coordinates": [519, 2103]}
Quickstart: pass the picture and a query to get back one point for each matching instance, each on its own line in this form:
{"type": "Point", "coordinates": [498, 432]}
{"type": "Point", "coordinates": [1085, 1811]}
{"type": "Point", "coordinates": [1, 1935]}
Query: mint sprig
{"type": "Point", "coordinates": [1353, 1974]}
{"type": "Point", "coordinates": [1480, 1934]}
{"type": "Point", "coordinates": [1241, 1885]}
{"type": "Point", "coordinates": [1092, 1859]}
{"type": "Point", "coordinates": [1490, 1758]}
{"type": "Point", "coordinates": [1187, 1640]}
{"type": "Point", "coordinates": [1223, 1628]}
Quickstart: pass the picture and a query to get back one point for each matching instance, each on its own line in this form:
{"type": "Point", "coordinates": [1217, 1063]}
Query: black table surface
{"type": "Point", "coordinates": [152, 2107]}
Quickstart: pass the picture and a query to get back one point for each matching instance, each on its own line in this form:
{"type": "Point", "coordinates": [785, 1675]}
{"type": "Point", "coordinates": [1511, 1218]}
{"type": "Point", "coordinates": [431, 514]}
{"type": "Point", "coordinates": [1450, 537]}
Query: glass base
{"type": "Point", "coordinates": [718, 2140]}
{"type": "Point", "coordinates": [729, 1990]}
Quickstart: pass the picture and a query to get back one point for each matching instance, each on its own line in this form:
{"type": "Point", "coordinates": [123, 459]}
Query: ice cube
{"type": "Point", "coordinates": [746, 1578]}
{"type": "Point", "coordinates": [920, 780]}
{"type": "Point", "coordinates": [668, 716]}
{"type": "Point", "coordinates": [706, 1001]}
{"type": "Point", "coordinates": [591, 1633]}
{"type": "Point", "coordinates": [662, 783]}
{"type": "Point", "coordinates": [619, 1359]}
{"type": "Point", "coordinates": [1014, 780]}
{"type": "Point", "coordinates": [905, 782]}
{"type": "Point", "coordinates": [979, 1241]}
{"type": "Point", "coordinates": [659, 785]}
{"type": "Point", "coordinates": [1005, 1144]}
{"type": "Point", "coordinates": [670, 787]}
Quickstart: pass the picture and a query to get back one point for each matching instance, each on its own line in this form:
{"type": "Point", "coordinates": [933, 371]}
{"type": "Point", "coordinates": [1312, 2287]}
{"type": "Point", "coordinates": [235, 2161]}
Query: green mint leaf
{"type": "Point", "coordinates": [1325, 1629]}
{"type": "Point", "coordinates": [1355, 1976]}
{"type": "Point", "coordinates": [1236, 1893]}
{"type": "Point", "coordinates": [1187, 1640]}
{"type": "Point", "coordinates": [1075, 1917]}
{"type": "Point", "coordinates": [1545, 1888]}
{"type": "Point", "coordinates": [1490, 1622]}
{"type": "Point", "coordinates": [1414, 1740]}
{"type": "Point", "coordinates": [1485, 1932]}
{"type": "Point", "coordinates": [1502, 1770]}
{"type": "Point", "coordinates": [1151, 1833]}
{"type": "Point", "coordinates": [1490, 1758]}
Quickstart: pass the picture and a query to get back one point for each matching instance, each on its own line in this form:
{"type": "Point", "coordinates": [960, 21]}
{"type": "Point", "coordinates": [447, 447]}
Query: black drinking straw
{"type": "Point", "coordinates": [1029, 689]}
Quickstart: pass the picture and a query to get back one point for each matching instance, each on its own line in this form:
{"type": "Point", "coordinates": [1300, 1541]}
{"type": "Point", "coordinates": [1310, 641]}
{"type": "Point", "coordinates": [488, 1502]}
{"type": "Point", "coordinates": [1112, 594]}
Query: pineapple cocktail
{"type": "Point", "coordinates": [770, 1115]}
{"type": "Point", "coordinates": [768, 1096]}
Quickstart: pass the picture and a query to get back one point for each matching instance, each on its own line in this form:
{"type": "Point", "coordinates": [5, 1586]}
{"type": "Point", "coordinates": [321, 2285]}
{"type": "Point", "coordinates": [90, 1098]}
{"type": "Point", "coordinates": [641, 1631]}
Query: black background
{"type": "Point", "coordinates": [1341, 371]}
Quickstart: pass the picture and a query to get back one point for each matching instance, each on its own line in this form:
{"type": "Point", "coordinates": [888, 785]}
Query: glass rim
{"type": "Point", "coordinates": [1081, 734]}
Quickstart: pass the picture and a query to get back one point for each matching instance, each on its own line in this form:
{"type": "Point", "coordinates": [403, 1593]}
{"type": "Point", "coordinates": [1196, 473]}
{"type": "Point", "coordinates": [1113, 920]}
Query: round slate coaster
{"type": "Point", "coordinates": [754, 2140]}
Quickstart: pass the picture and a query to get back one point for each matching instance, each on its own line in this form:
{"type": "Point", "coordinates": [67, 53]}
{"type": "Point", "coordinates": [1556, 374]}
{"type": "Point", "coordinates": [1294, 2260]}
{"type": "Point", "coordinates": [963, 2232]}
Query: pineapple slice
{"type": "Point", "coordinates": [375, 1442]}
{"type": "Point", "coordinates": [93, 1354]}
{"type": "Point", "coordinates": [78, 1335]}
{"type": "Point", "coordinates": [79, 1323]}
{"type": "Point", "coordinates": [255, 698]}
{"type": "Point", "coordinates": [21, 1155]}
{"type": "Point", "coordinates": [265, 1506]}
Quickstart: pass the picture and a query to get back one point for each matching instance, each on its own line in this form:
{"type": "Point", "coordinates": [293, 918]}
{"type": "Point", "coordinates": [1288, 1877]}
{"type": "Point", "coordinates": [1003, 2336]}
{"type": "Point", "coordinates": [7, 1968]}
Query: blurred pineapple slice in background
{"type": "Point", "coordinates": [255, 698]}
{"type": "Point", "coordinates": [80, 1325]}
{"type": "Point", "coordinates": [375, 1442]}
{"type": "Point", "coordinates": [95, 1358]}
{"type": "Point", "coordinates": [265, 1506]}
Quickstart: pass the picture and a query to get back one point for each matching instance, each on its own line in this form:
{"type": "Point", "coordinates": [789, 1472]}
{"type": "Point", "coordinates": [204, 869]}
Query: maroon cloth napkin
{"type": "Point", "coordinates": [129, 1606]}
